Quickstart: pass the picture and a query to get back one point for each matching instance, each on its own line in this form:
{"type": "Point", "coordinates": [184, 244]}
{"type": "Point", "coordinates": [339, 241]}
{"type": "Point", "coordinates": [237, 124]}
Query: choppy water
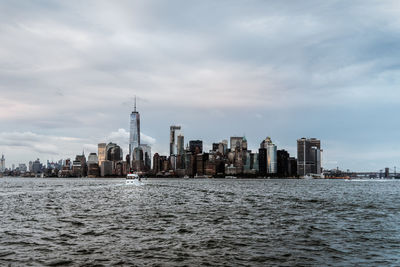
{"type": "Point", "coordinates": [199, 222]}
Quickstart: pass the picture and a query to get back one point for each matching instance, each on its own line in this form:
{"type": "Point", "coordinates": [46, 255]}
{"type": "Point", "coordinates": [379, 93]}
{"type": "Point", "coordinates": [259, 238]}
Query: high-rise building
{"type": "Point", "coordinates": [308, 156]}
{"type": "Point", "coordinates": [37, 166]}
{"type": "Point", "coordinates": [262, 161]}
{"type": "Point", "coordinates": [2, 164]}
{"type": "Point", "coordinates": [101, 152]}
{"type": "Point", "coordinates": [146, 156]}
{"type": "Point", "coordinates": [292, 167]}
{"type": "Point", "coordinates": [113, 152]}
{"type": "Point", "coordinates": [238, 143]}
{"type": "Point", "coordinates": [93, 166]}
{"type": "Point", "coordinates": [172, 143]}
{"type": "Point", "coordinates": [283, 163]}
{"type": "Point", "coordinates": [272, 165]}
{"type": "Point", "coordinates": [93, 158]}
{"type": "Point", "coordinates": [196, 146]}
{"type": "Point", "coordinates": [180, 144]}
{"type": "Point", "coordinates": [134, 134]}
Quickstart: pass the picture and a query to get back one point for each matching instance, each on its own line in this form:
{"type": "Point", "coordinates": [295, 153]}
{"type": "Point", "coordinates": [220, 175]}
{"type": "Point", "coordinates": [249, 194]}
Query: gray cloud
{"type": "Point", "coordinates": [70, 68]}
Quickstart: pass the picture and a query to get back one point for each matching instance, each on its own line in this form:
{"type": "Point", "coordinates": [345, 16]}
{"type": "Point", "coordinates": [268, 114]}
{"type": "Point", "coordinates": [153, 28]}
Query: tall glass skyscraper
{"type": "Point", "coordinates": [134, 137]}
{"type": "Point", "coordinates": [271, 157]}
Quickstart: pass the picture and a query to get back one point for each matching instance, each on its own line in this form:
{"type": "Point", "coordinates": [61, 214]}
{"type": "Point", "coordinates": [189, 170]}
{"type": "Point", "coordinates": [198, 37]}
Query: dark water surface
{"type": "Point", "coordinates": [199, 222]}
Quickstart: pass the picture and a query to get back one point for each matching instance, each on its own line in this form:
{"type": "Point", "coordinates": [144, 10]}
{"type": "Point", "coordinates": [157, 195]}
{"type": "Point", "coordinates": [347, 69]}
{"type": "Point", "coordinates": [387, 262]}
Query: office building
{"type": "Point", "coordinates": [180, 144]}
{"type": "Point", "coordinates": [262, 161]}
{"type": "Point", "coordinates": [172, 139]}
{"type": "Point", "coordinates": [113, 152]}
{"type": "Point", "coordinates": [134, 134]}
{"type": "Point", "coordinates": [2, 164]}
{"type": "Point", "coordinates": [146, 156]}
{"type": "Point", "coordinates": [272, 166]}
{"type": "Point", "coordinates": [238, 143]}
{"type": "Point", "coordinates": [308, 156]}
{"type": "Point", "coordinates": [93, 158]}
{"type": "Point", "coordinates": [101, 152]}
{"type": "Point", "coordinates": [36, 166]}
{"type": "Point", "coordinates": [292, 167]}
{"type": "Point", "coordinates": [282, 163]}
{"type": "Point", "coordinates": [196, 146]}
{"type": "Point", "coordinates": [106, 168]}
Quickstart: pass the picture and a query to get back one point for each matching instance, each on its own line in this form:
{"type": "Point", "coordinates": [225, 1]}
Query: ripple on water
{"type": "Point", "coordinates": [61, 222]}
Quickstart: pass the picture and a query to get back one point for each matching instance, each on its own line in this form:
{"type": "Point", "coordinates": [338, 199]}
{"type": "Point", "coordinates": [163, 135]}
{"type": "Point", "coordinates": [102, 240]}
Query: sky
{"type": "Point", "coordinates": [69, 71]}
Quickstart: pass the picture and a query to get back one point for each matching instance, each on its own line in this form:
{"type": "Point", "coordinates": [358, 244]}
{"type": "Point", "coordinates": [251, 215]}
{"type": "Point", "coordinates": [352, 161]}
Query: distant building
{"type": "Point", "coordinates": [272, 165]}
{"type": "Point", "coordinates": [134, 133]}
{"type": "Point", "coordinates": [36, 166]}
{"type": "Point", "coordinates": [172, 141]}
{"type": "Point", "coordinates": [146, 156]}
{"type": "Point", "coordinates": [308, 156]}
{"type": "Point", "coordinates": [2, 164]}
{"type": "Point", "coordinates": [102, 152]}
{"type": "Point", "coordinates": [113, 152]}
{"type": "Point", "coordinates": [283, 163]}
{"type": "Point", "coordinates": [292, 167]}
{"type": "Point", "coordinates": [238, 143]}
{"type": "Point", "coordinates": [93, 158]}
{"type": "Point", "coordinates": [180, 144]}
{"type": "Point", "coordinates": [22, 167]}
{"type": "Point", "coordinates": [106, 168]}
{"type": "Point", "coordinates": [156, 163]}
{"type": "Point", "coordinates": [196, 146]}
{"type": "Point", "coordinates": [262, 161]}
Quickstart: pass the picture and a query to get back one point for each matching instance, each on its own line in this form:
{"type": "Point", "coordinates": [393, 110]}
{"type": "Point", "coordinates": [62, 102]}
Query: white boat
{"type": "Point", "coordinates": [133, 179]}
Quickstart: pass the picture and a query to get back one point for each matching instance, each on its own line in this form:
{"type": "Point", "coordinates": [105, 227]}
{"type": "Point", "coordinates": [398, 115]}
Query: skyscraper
{"type": "Point", "coordinates": [272, 165]}
{"type": "Point", "coordinates": [172, 143]}
{"type": "Point", "coordinates": [2, 164]}
{"type": "Point", "coordinates": [134, 135]}
{"type": "Point", "coordinates": [196, 146]}
{"type": "Point", "coordinates": [180, 144]}
{"type": "Point", "coordinates": [101, 152]}
{"type": "Point", "coordinates": [308, 156]}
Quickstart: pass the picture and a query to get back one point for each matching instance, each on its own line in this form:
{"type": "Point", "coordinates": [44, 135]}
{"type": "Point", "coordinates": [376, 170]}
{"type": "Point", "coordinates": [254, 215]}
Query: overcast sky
{"type": "Point", "coordinates": [285, 69]}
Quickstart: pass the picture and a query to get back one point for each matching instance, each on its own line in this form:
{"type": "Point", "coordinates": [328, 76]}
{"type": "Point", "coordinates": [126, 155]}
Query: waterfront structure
{"type": "Point", "coordinates": [308, 156]}
{"type": "Point", "coordinates": [101, 152]}
{"type": "Point", "coordinates": [2, 164]}
{"type": "Point", "coordinates": [134, 133]}
{"type": "Point", "coordinates": [172, 141]}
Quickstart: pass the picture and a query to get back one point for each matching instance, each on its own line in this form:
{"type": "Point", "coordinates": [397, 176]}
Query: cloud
{"type": "Point", "coordinates": [264, 68]}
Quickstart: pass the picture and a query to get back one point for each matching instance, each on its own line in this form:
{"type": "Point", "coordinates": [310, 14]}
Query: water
{"type": "Point", "coordinates": [199, 222]}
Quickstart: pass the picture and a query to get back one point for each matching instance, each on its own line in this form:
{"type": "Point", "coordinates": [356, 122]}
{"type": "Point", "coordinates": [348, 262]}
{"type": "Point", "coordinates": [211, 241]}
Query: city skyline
{"type": "Point", "coordinates": [328, 70]}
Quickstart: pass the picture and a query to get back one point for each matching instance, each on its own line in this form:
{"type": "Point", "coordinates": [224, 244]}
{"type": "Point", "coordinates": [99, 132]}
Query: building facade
{"type": "Point", "coordinates": [134, 133]}
{"type": "Point", "coordinates": [308, 156]}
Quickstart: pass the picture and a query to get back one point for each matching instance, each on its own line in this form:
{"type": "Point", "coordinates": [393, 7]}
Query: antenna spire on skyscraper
{"type": "Point", "coordinates": [135, 104]}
